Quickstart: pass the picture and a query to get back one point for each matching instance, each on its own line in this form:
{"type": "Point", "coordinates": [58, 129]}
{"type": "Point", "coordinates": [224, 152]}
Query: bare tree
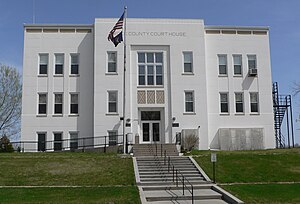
{"type": "Point", "coordinates": [10, 100]}
{"type": "Point", "coordinates": [296, 88]}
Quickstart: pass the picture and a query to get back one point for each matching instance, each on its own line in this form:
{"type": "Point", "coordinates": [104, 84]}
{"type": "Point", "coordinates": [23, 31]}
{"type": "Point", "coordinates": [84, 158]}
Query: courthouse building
{"type": "Point", "coordinates": [182, 78]}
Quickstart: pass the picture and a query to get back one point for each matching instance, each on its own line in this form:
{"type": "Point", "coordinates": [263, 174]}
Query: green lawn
{"type": "Point", "coordinates": [252, 167]}
{"type": "Point", "coordinates": [266, 193]}
{"type": "Point", "coordinates": [61, 169]}
{"type": "Point", "coordinates": [111, 195]}
{"type": "Point", "coordinates": [103, 178]}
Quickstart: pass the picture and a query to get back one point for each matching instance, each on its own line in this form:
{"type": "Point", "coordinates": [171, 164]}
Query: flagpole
{"type": "Point", "coordinates": [124, 77]}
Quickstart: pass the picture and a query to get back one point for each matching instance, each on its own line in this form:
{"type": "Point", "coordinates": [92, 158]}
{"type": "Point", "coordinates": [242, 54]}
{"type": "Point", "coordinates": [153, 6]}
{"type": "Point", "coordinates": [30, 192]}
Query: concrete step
{"type": "Point", "coordinates": [162, 165]}
{"type": "Point", "coordinates": [168, 175]}
{"type": "Point", "coordinates": [170, 179]}
{"type": "Point", "coordinates": [164, 195]}
{"type": "Point", "coordinates": [174, 187]}
{"type": "Point", "coordinates": [166, 172]}
{"type": "Point", "coordinates": [163, 183]}
{"type": "Point", "coordinates": [205, 201]}
{"type": "Point", "coordinates": [166, 168]}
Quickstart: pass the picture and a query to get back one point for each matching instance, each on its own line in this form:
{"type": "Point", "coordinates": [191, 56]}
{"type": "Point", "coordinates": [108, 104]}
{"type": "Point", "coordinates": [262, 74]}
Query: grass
{"type": "Point", "coordinates": [266, 193]}
{"type": "Point", "coordinates": [253, 167]}
{"type": "Point", "coordinates": [64, 169]}
{"type": "Point", "coordinates": [101, 178]}
{"type": "Point", "coordinates": [112, 195]}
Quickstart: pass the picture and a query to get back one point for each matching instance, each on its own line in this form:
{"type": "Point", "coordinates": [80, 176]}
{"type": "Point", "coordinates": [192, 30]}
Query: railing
{"type": "Point", "coordinates": [82, 144]}
{"type": "Point", "coordinates": [176, 174]}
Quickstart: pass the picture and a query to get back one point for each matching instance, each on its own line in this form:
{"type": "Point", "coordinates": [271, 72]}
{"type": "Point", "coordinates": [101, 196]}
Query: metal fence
{"type": "Point", "coordinates": [101, 143]}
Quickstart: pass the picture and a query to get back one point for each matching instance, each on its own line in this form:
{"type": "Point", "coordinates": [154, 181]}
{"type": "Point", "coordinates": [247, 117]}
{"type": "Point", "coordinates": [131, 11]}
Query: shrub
{"type": "Point", "coordinates": [190, 141]}
{"type": "Point", "coordinates": [5, 145]}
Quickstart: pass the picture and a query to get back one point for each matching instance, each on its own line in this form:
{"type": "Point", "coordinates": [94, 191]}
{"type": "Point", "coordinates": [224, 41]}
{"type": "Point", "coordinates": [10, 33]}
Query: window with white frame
{"type": "Point", "coordinates": [58, 103]}
{"type": "Point", "coordinates": [112, 137]}
{"type": "Point", "coordinates": [222, 64]}
{"type": "Point", "coordinates": [59, 64]}
{"type": "Point", "coordinates": [73, 140]}
{"type": "Point", "coordinates": [74, 64]}
{"type": "Point", "coordinates": [188, 62]}
{"type": "Point", "coordinates": [43, 64]}
{"type": "Point", "coordinates": [189, 102]}
{"type": "Point", "coordinates": [42, 109]}
{"type": "Point", "coordinates": [150, 68]}
{"type": "Point", "coordinates": [224, 103]}
{"type": "Point", "coordinates": [237, 64]}
{"type": "Point", "coordinates": [112, 101]}
{"type": "Point", "coordinates": [252, 64]}
{"type": "Point", "coordinates": [111, 62]}
{"type": "Point", "coordinates": [254, 104]}
{"type": "Point", "coordinates": [239, 102]}
{"type": "Point", "coordinates": [74, 103]}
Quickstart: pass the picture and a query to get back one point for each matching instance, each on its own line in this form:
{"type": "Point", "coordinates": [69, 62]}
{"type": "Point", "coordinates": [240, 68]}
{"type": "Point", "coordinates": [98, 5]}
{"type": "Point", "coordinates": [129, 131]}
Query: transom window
{"type": "Point", "coordinates": [150, 68]}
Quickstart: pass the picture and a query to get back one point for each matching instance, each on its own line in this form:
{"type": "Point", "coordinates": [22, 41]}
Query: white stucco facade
{"type": "Point", "coordinates": [175, 89]}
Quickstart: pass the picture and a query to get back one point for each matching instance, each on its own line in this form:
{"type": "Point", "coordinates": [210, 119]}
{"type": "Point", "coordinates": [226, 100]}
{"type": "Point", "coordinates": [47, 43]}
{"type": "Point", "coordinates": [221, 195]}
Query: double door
{"type": "Point", "coordinates": [151, 131]}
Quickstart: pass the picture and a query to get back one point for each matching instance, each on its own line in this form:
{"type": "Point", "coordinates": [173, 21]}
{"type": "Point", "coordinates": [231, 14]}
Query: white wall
{"type": "Point", "coordinates": [51, 43]}
{"type": "Point", "coordinates": [243, 44]}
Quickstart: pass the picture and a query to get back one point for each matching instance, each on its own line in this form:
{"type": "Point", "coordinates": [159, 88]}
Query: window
{"type": "Point", "coordinates": [112, 62]}
{"type": "Point", "coordinates": [237, 64]}
{"type": "Point", "coordinates": [43, 67]}
{"type": "Point", "coordinates": [41, 141]}
{"type": "Point", "coordinates": [74, 64]}
{"type": "Point", "coordinates": [112, 101]}
{"type": "Point", "coordinates": [57, 141]}
{"type": "Point", "coordinates": [58, 103]}
{"type": "Point", "coordinates": [74, 103]}
{"type": "Point", "coordinates": [239, 103]}
{"type": "Point", "coordinates": [73, 140]}
{"type": "Point", "coordinates": [189, 101]}
{"type": "Point", "coordinates": [42, 109]}
{"type": "Point", "coordinates": [252, 61]}
{"type": "Point", "coordinates": [112, 137]}
{"type": "Point", "coordinates": [188, 62]}
{"type": "Point", "coordinates": [150, 68]}
{"type": "Point", "coordinates": [59, 64]}
{"type": "Point", "coordinates": [254, 102]}
{"type": "Point", "coordinates": [222, 64]}
{"type": "Point", "coordinates": [224, 102]}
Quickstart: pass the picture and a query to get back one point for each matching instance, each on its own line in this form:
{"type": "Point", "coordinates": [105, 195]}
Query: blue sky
{"type": "Point", "coordinates": [283, 18]}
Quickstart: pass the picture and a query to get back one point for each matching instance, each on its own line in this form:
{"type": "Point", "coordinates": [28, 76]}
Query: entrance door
{"type": "Point", "coordinates": [150, 126]}
{"type": "Point", "coordinates": [151, 131]}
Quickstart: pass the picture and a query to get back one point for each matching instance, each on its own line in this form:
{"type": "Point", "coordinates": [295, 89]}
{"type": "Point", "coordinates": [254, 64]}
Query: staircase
{"type": "Point", "coordinates": [174, 179]}
{"type": "Point", "coordinates": [154, 149]}
{"type": "Point", "coordinates": [281, 103]}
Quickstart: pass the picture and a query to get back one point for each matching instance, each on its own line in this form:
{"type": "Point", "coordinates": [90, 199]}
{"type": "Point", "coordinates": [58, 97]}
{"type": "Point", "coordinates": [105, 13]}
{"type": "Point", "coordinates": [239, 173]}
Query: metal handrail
{"type": "Point", "coordinates": [175, 176]}
{"type": "Point", "coordinates": [81, 143]}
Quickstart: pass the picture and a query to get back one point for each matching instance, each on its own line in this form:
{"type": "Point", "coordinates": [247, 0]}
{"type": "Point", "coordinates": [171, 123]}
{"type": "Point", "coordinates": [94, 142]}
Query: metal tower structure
{"type": "Point", "coordinates": [282, 107]}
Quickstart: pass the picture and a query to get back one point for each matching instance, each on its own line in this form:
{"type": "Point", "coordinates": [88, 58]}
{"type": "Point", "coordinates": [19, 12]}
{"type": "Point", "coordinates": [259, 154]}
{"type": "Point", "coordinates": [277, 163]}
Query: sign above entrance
{"type": "Point", "coordinates": [156, 34]}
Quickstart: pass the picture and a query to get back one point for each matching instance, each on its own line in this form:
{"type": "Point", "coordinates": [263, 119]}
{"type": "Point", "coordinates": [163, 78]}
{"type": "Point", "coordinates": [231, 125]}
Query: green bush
{"type": "Point", "coordinates": [5, 145]}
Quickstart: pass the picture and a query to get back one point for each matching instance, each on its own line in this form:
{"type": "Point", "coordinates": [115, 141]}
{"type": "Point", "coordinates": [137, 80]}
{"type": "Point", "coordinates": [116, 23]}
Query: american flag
{"type": "Point", "coordinates": [115, 35]}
